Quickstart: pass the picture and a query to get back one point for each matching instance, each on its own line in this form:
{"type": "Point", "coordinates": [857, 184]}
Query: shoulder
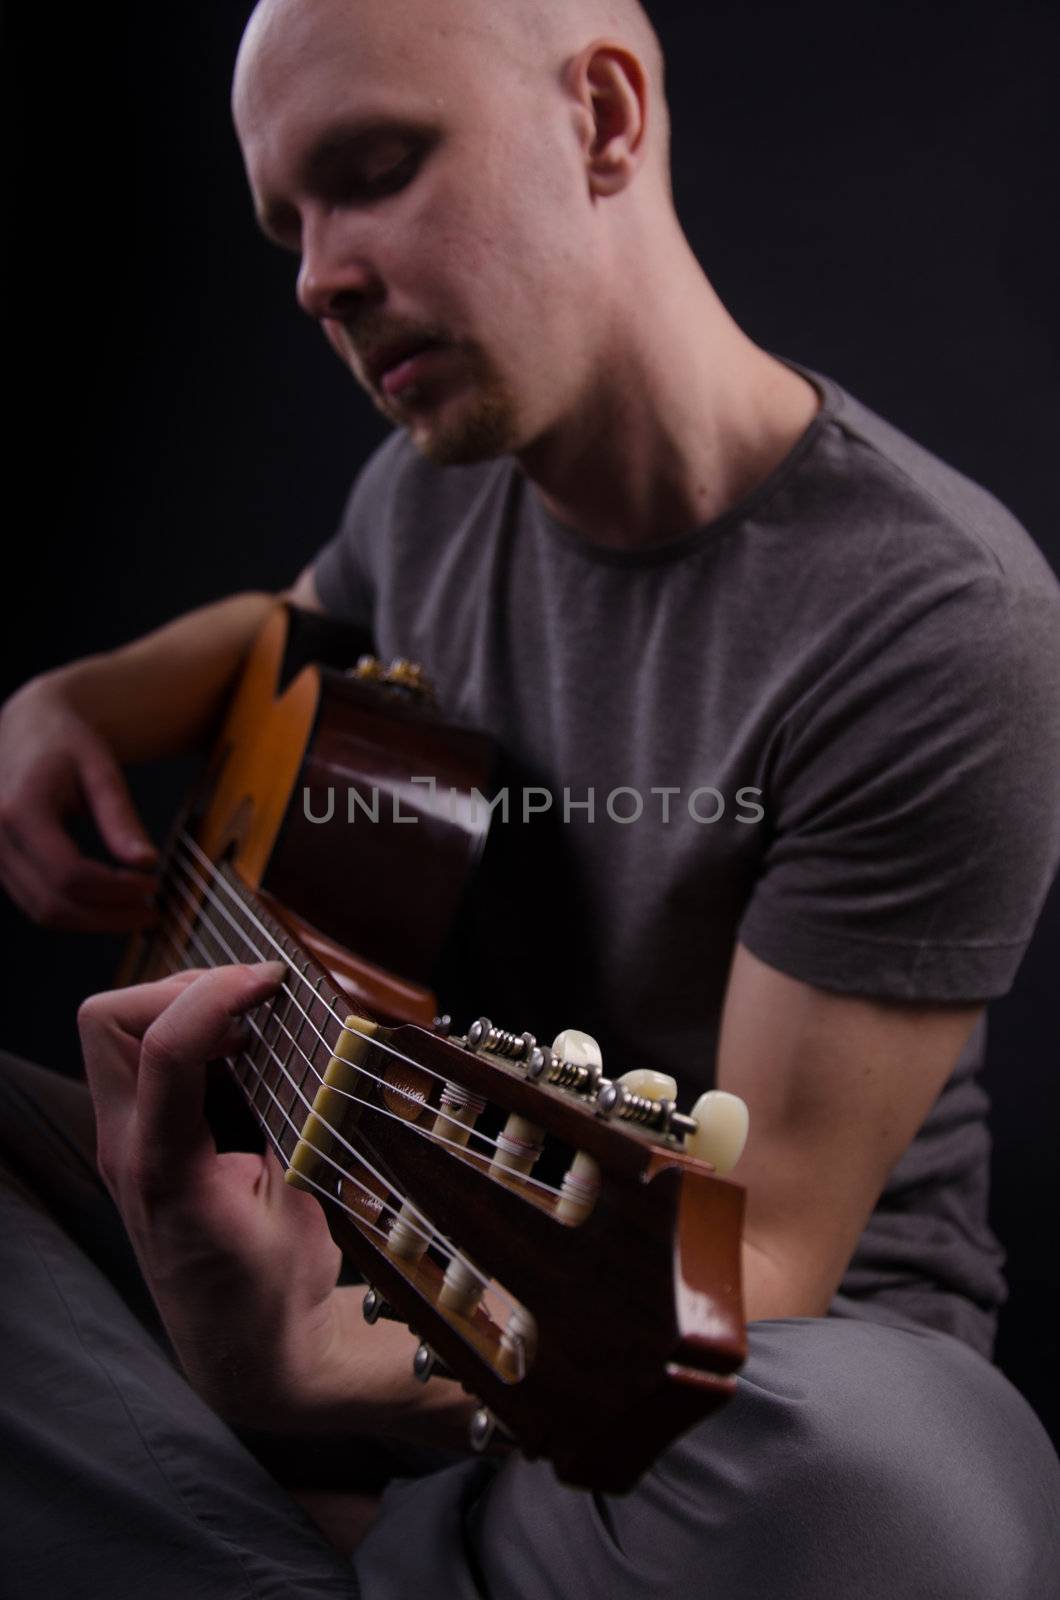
{"type": "Point", "coordinates": [914, 507]}
{"type": "Point", "coordinates": [881, 541]}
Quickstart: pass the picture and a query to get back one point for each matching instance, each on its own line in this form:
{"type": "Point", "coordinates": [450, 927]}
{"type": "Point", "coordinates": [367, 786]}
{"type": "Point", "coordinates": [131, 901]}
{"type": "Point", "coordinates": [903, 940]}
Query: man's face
{"type": "Point", "coordinates": [434, 192]}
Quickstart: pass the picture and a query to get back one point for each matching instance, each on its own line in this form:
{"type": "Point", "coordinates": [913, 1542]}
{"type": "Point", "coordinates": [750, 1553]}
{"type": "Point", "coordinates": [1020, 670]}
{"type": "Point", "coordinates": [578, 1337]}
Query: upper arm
{"type": "Point", "coordinates": [837, 1086]}
{"type": "Point", "coordinates": [911, 842]}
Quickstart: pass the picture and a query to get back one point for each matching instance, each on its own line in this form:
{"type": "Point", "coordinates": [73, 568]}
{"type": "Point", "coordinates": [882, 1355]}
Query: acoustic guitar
{"type": "Point", "coordinates": [563, 1244]}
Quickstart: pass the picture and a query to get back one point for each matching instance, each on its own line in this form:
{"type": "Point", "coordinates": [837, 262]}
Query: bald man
{"type": "Point", "coordinates": [596, 481]}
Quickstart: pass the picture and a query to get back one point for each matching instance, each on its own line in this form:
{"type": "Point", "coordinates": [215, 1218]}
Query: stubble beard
{"type": "Point", "coordinates": [482, 423]}
{"type": "Point", "coordinates": [483, 431]}
{"type": "Point", "coordinates": [481, 428]}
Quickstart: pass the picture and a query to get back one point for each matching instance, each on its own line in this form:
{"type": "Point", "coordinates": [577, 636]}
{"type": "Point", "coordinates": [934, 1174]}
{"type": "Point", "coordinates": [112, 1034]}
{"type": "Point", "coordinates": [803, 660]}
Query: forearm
{"type": "Point", "coordinates": [160, 695]}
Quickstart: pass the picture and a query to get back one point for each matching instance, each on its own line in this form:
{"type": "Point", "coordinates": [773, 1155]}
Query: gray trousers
{"type": "Point", "coordinates": [863, 1460]}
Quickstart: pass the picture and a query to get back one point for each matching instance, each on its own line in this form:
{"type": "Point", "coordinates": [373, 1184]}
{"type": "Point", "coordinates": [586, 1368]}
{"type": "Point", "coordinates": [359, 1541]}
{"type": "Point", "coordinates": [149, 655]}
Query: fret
{"type": "Point", "coordinates": [297, 1027]}
{"type": "Point", "coordinates": [281, 1032]}
{"type": "Point", "coordinates": [289, 1044]}
{"type": "Point", "coordinates": [309, 1052]}
{"type": "Point", "coordinates": [210, 918]}
{"type": "Point", "coordinates": [302, 1068]}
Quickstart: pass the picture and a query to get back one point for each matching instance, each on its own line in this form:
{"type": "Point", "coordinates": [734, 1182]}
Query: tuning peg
{"type": "Point", "coordinates": [374, 1308]}
{"type": "Point", "coordinates": [642, 1098]}
{"type": "Point", "coordinates": [575, 1062]}
{"type": "Point", "coordinates": [649, 1085]}
{"type": "Point", "coordinates": [722, 1122]}
{"type": "Point", "coordinates": [402, 674]}
{"type": "Point", "coordinates": [369, 669]}
{"type": "Point", "coordinates": [485, 1428]}
{"type": "Point", "coordinates": [425, 1365]}
{"type": "Point", "coordinates": [580, 1049]}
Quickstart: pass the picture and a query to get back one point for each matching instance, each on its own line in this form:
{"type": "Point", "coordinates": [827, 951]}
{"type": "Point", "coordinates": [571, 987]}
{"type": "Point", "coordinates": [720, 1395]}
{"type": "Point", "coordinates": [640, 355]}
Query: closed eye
{"type": "Point", "coordinates": [389, 178]}
{"type": "Point", "coordinates": [355, 167]}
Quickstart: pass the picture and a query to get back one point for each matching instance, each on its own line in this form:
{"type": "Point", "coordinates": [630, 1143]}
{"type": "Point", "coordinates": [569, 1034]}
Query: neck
{"type": "Point", "coordinates": [689, 417]}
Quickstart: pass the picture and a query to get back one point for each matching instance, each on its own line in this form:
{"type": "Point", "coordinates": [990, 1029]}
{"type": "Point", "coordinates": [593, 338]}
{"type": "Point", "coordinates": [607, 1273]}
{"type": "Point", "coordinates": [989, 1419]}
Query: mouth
{"type": "Point", "coordinates": [397, 366]}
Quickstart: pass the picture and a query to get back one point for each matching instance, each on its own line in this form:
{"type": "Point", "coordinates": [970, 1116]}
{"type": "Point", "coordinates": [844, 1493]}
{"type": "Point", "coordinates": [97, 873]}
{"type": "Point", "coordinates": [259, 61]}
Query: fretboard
{"type": "Point", "coordinates": [210, 918]}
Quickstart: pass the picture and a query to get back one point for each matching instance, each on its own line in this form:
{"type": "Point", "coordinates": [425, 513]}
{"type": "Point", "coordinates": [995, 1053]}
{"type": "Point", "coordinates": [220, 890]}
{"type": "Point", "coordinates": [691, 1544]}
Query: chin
{"type": "Point", "coordinates": [482, 433]}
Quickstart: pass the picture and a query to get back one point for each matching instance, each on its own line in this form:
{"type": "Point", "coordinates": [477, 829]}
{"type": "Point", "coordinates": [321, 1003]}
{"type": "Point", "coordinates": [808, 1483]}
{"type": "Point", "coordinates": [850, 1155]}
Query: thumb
{"type": "Point", "coordinates": [110, 803]}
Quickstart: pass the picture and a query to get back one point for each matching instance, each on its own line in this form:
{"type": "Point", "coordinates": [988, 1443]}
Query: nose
{"type": "Point", "coordinates": [336, 275]}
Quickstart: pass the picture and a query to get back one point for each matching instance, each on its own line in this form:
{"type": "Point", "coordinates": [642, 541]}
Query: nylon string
{"type": "Point", "coordinates": [485, 1139]}
{"type": "Point", "coordinates": [431, 1237]}
{"type": "Point", "coordinates": [427, 1233]}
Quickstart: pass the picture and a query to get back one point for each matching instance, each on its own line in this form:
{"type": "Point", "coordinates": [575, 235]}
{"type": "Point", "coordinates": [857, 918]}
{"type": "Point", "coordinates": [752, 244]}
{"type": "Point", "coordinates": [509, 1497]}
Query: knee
{"type": "Point", "coordinates": [902, 1462]}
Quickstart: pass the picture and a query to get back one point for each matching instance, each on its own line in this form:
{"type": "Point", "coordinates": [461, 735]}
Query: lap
{"type": "Point", "coordinates": [115, 1478]}
{"type": "Point", "coordinates": [856, 1459]}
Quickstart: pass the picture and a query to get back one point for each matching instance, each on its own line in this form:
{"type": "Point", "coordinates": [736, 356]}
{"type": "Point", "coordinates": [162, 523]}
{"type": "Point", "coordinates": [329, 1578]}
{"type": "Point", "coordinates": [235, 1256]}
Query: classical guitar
{"type": "Point", "coordinates": [561, 1243]}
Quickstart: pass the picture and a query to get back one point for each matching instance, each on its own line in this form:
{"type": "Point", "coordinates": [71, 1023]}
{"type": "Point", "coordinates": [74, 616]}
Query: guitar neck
{"type": "Point", "coordinates": [596, 1317]}
{"type": "Point", "coordinates": [209, 918]}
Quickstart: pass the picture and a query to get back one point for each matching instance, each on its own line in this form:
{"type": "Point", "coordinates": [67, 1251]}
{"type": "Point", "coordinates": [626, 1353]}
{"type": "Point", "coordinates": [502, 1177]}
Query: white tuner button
{"type": "Point", "coordinates": [649, 1085]}
{"type": "Point", "coordinates": [721, 1129]}
{"type": "Point", "coordinates": [580, 1049]}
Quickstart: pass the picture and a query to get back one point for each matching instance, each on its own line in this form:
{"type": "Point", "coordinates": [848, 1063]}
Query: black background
{"type": "Point", "coordinates": [872, 190]}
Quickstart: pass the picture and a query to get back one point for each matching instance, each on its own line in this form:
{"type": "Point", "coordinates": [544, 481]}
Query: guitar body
{"type": "Point", "coordinates": [543, 1230]}
{"type": "Point", "coordinates": [373, 885]}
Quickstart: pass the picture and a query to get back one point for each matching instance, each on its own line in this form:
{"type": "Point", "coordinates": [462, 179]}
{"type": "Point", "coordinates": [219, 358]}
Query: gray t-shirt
{"type": "Point", "coordinates": [826, 725]}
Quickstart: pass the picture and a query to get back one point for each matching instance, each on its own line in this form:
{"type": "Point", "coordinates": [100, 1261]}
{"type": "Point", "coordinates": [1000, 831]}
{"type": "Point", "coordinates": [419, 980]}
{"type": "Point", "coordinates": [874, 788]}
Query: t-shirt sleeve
{"type": "Point", "coordinates": [344, 569]}
{"type": "Point", "coordinates": [915, 793]}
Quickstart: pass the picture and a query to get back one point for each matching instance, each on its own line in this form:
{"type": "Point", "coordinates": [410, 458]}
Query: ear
{"type": "Point", "coordinates": [611, 89]}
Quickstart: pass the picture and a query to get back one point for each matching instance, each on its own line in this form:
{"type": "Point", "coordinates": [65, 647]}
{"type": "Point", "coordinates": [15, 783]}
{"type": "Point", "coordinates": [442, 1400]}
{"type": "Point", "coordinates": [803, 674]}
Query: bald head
{"type": "Point", "coordinates": [535, 39]}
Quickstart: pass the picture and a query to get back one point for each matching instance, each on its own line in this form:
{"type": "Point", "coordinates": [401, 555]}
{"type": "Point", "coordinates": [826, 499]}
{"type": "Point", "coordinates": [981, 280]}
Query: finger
{"type": "Point", "coordinates": [19, 882]}
{"type": "Point", "coordinates": [47, 905]}
{"type": "Point", "coordinates": [132, 1010]}
{"type": "Point", "coordinates": [53, 910]}
{"type": "Point", "coordinates": [111, 1026]}
{"type": "Point", "coordinates": [111, 805]}
{"type": "Point", "coordinates": [63, 873]}
{"type": "Point", "coordinates": [203, 1022]}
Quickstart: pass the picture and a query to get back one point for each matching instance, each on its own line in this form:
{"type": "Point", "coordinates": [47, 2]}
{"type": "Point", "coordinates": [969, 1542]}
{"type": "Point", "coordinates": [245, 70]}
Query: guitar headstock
{"type": "Point", "coordinates": [563, 1244]}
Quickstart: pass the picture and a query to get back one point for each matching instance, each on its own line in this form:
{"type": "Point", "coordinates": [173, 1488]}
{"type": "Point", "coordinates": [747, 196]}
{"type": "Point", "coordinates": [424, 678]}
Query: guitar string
{"type": "Point", "coordinates": [431, 1238]}
{"type": "Point", "coordinates": [241, 905]}
{"type": "Point", "coordinates": [261, 1083]}
{"type": "Point", "coordinates": [424, 1133]}
{"type": "Point", "coordinates": [184, 839]}
{"type": "Point", "coordinates": [485, 1139]}
{"type": "Point", "coordinates": [491, 1290]}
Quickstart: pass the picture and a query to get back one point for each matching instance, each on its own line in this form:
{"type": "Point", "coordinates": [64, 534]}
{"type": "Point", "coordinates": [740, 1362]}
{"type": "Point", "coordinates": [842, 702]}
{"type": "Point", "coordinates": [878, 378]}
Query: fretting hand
{"type": "Point", "coordinates": [241, 1265]}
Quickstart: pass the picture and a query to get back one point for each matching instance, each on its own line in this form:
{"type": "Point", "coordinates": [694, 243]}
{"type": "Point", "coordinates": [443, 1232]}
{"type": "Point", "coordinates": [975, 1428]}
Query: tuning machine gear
{"type": "Point", "coordinates": [405, 676]}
